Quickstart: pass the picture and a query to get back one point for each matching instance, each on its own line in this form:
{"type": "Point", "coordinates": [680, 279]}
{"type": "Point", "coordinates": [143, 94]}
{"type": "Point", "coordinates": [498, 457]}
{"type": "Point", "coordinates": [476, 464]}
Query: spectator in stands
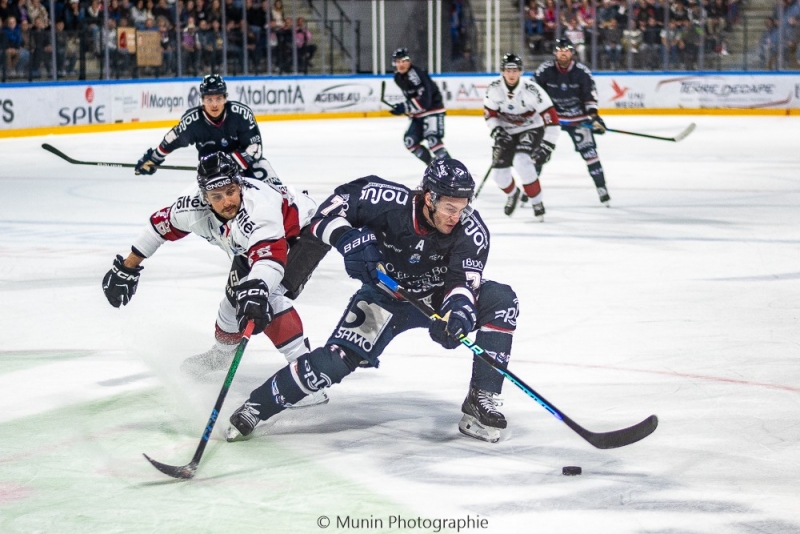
{"type": "Point", "coordinates": [257, 19]}
{"type": "Point", "coordinates": [235, 46]}
{"type": "Point", "coordinates": [162, 10]}
{"type": "Point", "coordinates": [651, 50]}
{"type": "Point", "coordinates": [456, 27]}
{"type": "Point", "coordinates": [305, 48]}
{"type": "Point", "coordinates": [276, 14]}
{"type": "Point", "coordinates": [550, 24]}
{"type": "Point", "coordinates": [66, 51]}
{"type": "Point", "coordinates": [672, 40]}
{"type": "Point", "coordinates": [285, 45]}
{"type": "Point", "coordinates": [791, 31]}
{"type": "Point", "coordinates": [93, 20]}
{"type": "Point", "coordinates": [201, 13]}
{"type": "Point", "coordinates": [632, 40]}
{"type": "Point", "coordinates": [534, 25]}
{"type": "Point", "coordinates": [17, 56]}
{"type": "Point", "coordinates": [190, 48]}
{"type": "Point", "coordinates": [20, 12]}
{"type": "Point", "coordinates": [189, 10]}
{"type": "Point", "coordinates": [167, 38]}
{"type": "Point", "coordinates": [41, 48]}
{"type": "Point", "coordinates": [37, 10]}
{"type": "Point", "coordinates": [575, 33]}
{"type": "Point", "coordinates": [215, 11]}
{"type": "Point", "coordinates": [466, 63]}
{"type": "Point", "coordinates": [768, 45]}
{"type": "Point", "coordinates": [139, 15]}
{"type": "Point", "coordinates": [611, 36]}
{"type": "Point", "coordinates": [693, 36]}
{"type": "Point", "coordinates": [5, 12]}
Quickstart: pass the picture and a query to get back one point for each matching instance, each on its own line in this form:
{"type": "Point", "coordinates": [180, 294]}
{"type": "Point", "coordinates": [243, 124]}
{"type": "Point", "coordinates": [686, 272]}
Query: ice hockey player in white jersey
{"type": "Point", "coordinates": [246, 218]}
{"type": "Point", "coordinates": [524, 125]}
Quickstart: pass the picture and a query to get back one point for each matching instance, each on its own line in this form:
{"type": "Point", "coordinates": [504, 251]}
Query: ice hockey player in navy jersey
{"type": "Point", "coordinates": [436, 246]}
{"type": "Point", "coordinates": [216, 125]}
{"type": "Point", "coordinates": [248, 219]}
{"type": "Point", "coordinates": [524, 125]}
{"type": "Point", "coordinates": [423, 105]}
{"type": "Point", "coordinates": [572, 89]}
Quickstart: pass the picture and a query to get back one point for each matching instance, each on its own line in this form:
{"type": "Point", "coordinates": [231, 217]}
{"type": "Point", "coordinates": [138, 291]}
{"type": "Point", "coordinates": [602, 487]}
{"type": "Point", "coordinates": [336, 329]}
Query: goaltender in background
{"type": "Point", "coordinates": [399, 522]}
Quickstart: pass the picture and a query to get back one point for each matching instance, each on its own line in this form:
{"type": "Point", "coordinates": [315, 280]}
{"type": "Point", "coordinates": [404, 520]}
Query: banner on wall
{"type": "Point", "coordinates": [30, 106]}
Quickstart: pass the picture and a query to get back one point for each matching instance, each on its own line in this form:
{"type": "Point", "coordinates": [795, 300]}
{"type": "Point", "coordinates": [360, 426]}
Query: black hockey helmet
{"type": "Point", "coordinates": [217, 170]}
{"type": "Point", "coordinates": [563, 44]}
{"type": "Point", "coordinates": [448, 177]}
{"type": "Point", "coordinates": [213, 84]}
{"type": "Point", "coordinates": [401, 53]}
{"type": "Point", "coordinates": [511, 61]}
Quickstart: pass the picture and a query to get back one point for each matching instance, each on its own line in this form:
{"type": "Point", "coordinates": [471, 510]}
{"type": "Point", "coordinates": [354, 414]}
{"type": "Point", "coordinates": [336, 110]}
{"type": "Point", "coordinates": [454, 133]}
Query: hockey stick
{"type": "Point", "coordinates": [383, 93]}
{"type": "Point", "coordinates": [57, 152]}
{"type": "Point", "coordinates": [600, 440]}
{"type": "Point", "coordinates": [485, 176]}
{"type": "Point", "coordinates": [681, 136]}
{"type": "Point", "coordinates": [187, 471]}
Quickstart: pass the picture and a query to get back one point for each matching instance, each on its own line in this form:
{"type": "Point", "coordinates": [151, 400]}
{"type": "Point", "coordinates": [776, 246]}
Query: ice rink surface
{"type": "Point", "coordinates": [682, 300]}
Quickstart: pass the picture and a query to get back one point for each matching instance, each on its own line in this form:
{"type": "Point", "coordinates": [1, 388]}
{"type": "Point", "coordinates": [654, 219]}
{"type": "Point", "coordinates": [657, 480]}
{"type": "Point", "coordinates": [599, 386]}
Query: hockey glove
{"type": "Point", "coordinates": [398, 109]}
{"type": "Point", "coordinates": [598, 125]}
{"type": "Point", "coordinates": [460, 316]}
{"type": "Point", "coordinates": [252, 303]}
{"type": "Point", "coordinates": [359, 247]}
{"type": "Point", "coordinates": [119, 284]}
{"type": "Point", "coordinates": [543, 152]}
{"type": "Point", "coordinates": [500, 135]}
{"type": "Point", "coordinates": [244, 160]}
{"type": "Point", "coordinates": [149, 163]}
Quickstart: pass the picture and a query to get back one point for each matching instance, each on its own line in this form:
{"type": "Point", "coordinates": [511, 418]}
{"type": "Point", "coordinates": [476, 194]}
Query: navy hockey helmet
{"type": "Point", "coordinates": [511, 61]}
{"type": "Point", "coordinates": [401, 53]}
{"type": "Point", "coordinates": [217, 170]}
{"type": "Point", "coordinates": [448, 177]}
{"type": "Point", "coordinates": [213, 84]}
{"type": "Point", "coordinates": [563, 44]}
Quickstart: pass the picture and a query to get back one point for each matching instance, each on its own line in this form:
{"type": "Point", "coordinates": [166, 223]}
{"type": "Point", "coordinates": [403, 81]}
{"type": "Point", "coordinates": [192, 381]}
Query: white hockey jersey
{"type": "Point", "coordinates": [259, 231]}
{"type": "Point", "coordinates": [525, 107]}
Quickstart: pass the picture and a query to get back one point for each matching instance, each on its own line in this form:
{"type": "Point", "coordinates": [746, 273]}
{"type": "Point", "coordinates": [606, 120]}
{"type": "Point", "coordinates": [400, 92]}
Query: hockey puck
{"type": "Point", "coordinates": [571, 470]}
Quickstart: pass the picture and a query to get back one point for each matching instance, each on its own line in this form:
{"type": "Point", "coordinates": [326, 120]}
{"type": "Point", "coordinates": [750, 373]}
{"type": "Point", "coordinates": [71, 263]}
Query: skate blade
{"type": "Point", "coordinates": [315, 399]}
{"type": "Point", "coordinates": [469, 426]}
{"type": "Point", "coordinates": [233, 435]}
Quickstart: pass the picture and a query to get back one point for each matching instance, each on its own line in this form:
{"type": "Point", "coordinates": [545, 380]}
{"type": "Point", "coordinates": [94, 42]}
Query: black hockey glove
{"type": "Point", "coordinates": [398, 109]}
{"type": "Point", "coordinates": [598, 125]}
{"type": "Point", "coordinates": [359, 247]}
{"type": "Point", "coordinates": [543, 152]}
{"type": "Point", "coordinates": [500, 135]}
{"type": "Point", "coordinates": [119, 284]}
{"type": "Point", "coordinates": [252, 303]}
{"type": "Point", "coordinates": [148, 164]}
{"type": "Point", "coordinates": [461, 318]}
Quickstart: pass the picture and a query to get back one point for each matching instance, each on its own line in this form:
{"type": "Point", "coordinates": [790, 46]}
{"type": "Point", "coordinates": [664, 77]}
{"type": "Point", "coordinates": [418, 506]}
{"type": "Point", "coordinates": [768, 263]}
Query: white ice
{"type": "Point", "coordinates": [681, 300]}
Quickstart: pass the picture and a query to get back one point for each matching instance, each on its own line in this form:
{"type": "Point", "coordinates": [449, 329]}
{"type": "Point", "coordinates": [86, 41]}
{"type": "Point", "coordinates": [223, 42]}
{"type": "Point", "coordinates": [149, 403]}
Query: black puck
{"type": "Point", "coordinates": [571, 470]}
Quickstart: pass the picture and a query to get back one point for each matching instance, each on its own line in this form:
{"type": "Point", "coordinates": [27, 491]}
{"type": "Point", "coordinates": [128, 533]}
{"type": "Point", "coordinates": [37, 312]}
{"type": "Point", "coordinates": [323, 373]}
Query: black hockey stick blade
{"type": "Point", "coordinates": [600, 440]}
{"type": "Point", "coordinates": [50, 148]}
{"type": "Point", "coordinates": [187, 471]}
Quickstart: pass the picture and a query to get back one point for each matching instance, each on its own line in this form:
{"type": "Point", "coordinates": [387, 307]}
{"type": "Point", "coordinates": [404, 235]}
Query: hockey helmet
{"type": "Point", "coordinates": [448, 177]}
{"type": "Point", "coordinates": [217, 170]}
{"type": "Point", "coordinates": [401, 53]}
{"type": "Point", "coordinates": [511, 61]}
{"type": "Point", "coordinates": [213, 84]}
{"type": "Point", "coordinates": [563, 44]}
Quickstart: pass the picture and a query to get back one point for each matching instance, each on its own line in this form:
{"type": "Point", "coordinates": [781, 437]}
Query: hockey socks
{"type": "Point", "coordinates": [497, 344]}
{"type": "Point", "coordinates": [597, 174]}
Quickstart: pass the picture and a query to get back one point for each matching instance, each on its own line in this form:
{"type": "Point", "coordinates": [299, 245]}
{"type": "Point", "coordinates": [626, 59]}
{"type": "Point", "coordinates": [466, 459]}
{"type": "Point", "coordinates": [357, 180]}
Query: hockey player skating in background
{"type": "Point", "coordinates": [216, 125]}
{"type": "Point", "coordinates": [432, 241]}
{"type": "Point", "coordinates": [524, 124]}
{"type": "Point", "coordinates": [572, 89]}
{"type": "Point", "coordinates": [245, 218]}
{"type": "Point", "coordinates": [423, 105]}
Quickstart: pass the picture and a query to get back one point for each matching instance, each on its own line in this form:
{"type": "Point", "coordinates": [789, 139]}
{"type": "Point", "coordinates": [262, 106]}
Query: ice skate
{"type": "Point", "coordinates": [524, 199]}
{"type": "Point", "coordinates": [538, 211]}
{"type": "Point", "coordinates": [481, 419]}
{"type": "Point", "coordinates": [318, 397]}
{"type": "Point", "coordinates": [243, 421]}
{"type": "Point", "coordinates": [605, 199]}
{"type": "Point", "coordinates": [219, 358]}
{"type": "Point", "coordinates": [511, 202]}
